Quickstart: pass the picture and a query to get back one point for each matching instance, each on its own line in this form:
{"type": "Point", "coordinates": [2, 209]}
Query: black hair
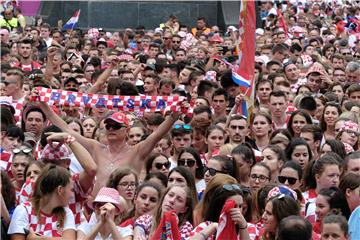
{"type": "Point", "coordinates": [199, 172]}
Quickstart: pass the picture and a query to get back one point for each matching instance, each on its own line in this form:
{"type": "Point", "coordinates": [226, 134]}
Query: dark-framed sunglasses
{"type": "Point", "coordinates": [161, 165]}
{"type": "Point", "coordinates": [290, 180]}
{"type": "Point", "coordinates": [188, 162]}
{"type": "Point", "coordinates": [213, 171]}
{"type": "Point", "coordinates": [115, 126]}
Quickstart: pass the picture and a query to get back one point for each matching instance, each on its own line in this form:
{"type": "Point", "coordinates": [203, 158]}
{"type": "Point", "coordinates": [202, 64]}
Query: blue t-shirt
{"type": "Point", "coordinates": [354, 224]}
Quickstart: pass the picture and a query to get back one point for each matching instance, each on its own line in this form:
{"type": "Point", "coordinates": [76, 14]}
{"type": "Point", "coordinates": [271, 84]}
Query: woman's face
{"type": "Point", "coordinates": [146, 200]}
{"type": "Point", "coordinates": [261, 126]}
{"type": "Point", "coordinates": [160, 164]}
{"type": "Point", "coordinates": [350, 137]}
{"type": "Point", "coordinates": [298, 122]}
{"type": "Point", "coordinates": [33, 172]}
{"type": "Point", "coordinates": [259, 177]}
{"type": "Point", "coordinates": [325, 149]}
{"type": "Point", "coordinates": [329, 177]}
{"type": "Point", "coordinates": [322, 207]}
{"type": "Point", "coordinates": [18, 166]}
{"type": "Point", "coordinates": [330, 115]}
{"type": "Point", "coordinates": [134, 136]}
{"type": "Point", "coordinates": [332, 231]}
{"type": "Point", "coordinates": [304, 90]}
{"type": "Point", "coordinates": [198, 141]}
{"type": "Point", "coordinates": [176, 179]}
{"type": "Point", "coordinates": [88, 126]}
{"type": "Point", "coordinates": [329, 52]}
{"type": "Point", "coordinates": [301, 155]}
{"type": "Point", "coordinates": [270, 223]}
{"type": "Point", "coordinates": [244, 166]}
{"type": "Point", "coordinates": [74, 126]}
{"type": "Point", "coordinates": [126, 187]}
{"type": "Point", "coordinates": [319, 108]}
{"type": "Point", "coordinates": [271, 160]}
{"type": "Point", "coordinates": [338, 90]}
{"type": "Point", "coordinates": [68, 192]}
{"type": "Point", "coordinates": [215, 140]}
{"type": "Point", "coordinates": [291, 177]}
{"type": "Point", "coordinates": [238, 200]}
{"type": "Point", "coordinates": [26, 89]}
{"type": "Point", "coordinates": [175, 199]}
{"type": "Point", "coordinates": [212, 164]}
{"type": "Point", "coordinates": [188, 160]}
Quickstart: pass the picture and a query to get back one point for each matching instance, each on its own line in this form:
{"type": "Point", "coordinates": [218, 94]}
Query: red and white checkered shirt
{"type": "Point", "coordinates": [294, 87]}
{"type": "Point", "coordinates": [26, 191]}
{"type": "Point", "coordinates": [310, 205]}
{"type": "Point", "coordinates": [253, 232]}
{"type": "Point", "coordinates": [25, 218]}
{"type": "Point", "coordinates": [5, 162]}
{"type": "Point", "coordinates": [145, 222]}
{"type": "Point", "coordinates": [18, 105]}
{"type": "Point", "coordinates": [76, 201]}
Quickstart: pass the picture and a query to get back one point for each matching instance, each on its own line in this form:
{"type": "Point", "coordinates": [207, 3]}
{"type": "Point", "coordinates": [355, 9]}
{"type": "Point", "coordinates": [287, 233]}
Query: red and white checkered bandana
{"type": "Point", "coordinates": [348, 148]}
{"type": "Point", "coordinates": [210, 76]}
{"type": "Point", "coordinates": [349, 125]}
{"type": "Point", "coordinates": [55, 151]}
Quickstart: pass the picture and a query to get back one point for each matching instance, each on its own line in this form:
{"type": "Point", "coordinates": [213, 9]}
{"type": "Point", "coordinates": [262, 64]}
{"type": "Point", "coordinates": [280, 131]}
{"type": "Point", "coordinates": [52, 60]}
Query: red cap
{"type": "Point", "coordinates": [118, 117]}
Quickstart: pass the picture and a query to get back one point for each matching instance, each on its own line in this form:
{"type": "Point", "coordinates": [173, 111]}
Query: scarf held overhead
{"type": "Point", "coordinates": [121, 103]}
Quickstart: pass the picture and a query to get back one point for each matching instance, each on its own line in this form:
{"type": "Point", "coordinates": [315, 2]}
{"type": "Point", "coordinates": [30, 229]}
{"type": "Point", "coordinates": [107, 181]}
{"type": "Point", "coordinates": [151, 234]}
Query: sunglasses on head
{"type": "Point", "coordinates": [232, 187]}
{"type": "Point", "coordinates": [290, 180]}
{"type": "Point", "coordinates": [188, 162]}
{"type": "Point", "coordinates": [161, 165]}
{"type": "Point", "coordinates": [182, 126]}
{"type": "Point", "coordinates": [115, 126]}
{"type": "Point", "coordinates": [25, 150]}
{"type": "Point", "coordinates": [213, 171]}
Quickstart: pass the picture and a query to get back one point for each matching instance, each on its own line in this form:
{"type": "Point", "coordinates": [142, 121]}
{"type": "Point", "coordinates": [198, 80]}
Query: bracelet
{"type": "Point", "coordinates": [203, 235]}
{"type": "Point", "coordinates": [69, 139]}
{"type": "Point", "coordinates": [242, 228]}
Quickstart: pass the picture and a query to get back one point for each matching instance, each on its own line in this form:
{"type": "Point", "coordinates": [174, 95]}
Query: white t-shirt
{"type": "Point", "coordinates": [24, 217]}
{"type": "Point", "coordinates": [87, 227]}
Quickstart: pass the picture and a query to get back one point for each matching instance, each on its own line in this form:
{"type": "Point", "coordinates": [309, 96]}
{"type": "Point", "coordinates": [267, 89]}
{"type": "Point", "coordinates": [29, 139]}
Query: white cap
{"type": "Point", "coordinates": [260, 31]}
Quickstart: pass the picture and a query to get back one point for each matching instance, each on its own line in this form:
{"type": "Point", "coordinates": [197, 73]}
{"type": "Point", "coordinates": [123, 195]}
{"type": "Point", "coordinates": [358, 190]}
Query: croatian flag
{"type": "Point", "coordinates": [239, 80]}
{"type": "Point", "coordinates": [72, 21]}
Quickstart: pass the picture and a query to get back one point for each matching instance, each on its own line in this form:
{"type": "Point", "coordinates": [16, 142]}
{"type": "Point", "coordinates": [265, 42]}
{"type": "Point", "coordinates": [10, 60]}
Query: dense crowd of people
{"type": "Point", "coordinates": [288, 170]}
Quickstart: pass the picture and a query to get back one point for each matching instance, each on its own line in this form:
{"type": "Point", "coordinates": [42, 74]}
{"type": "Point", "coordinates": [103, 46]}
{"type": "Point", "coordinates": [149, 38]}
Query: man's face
{"type": "Point", "coordinates": [339, 76]}
{"type": "Point", "coordinates": [149, 85]}
{"type": "Point", "coordinates": [180, 56]}
{"type": "Point", "coordinates": [34, 123]}
{"type": "Point", "coordinates": [309, 138]}
{"type": "Point", "coordinates": [314, 82]}
{"type": "Point", "coordinates": [277, 106]}
{"type": "Point", "coordinates": [25, 50]}
{"type": "Point", "coordinates": [200, 24]}
{"type": "Point", "coordinates": [337, 63]}
{"type": "Point", "coordinates": [153, 51]}
{"type": "Point", "coordinates": [353, 76]}
{"type": "Point", "coordinates": [281, 38]}
{"type": "Point", "coordinates": [354, 166]}
{"type": "Point", "coordinates": [219, 104]}
{"type": "Point", "coordinates": [237, 131]}
{"type": "Point", "coordinates": [355, 97]}
{"type": "Point", "coordinates": [165, 90]}
{"type": "Point", "coordinates": [128, 77]}
{"type": "Point", "coordinates": [176, 42]}
{"type": "Point", "coordinates": [184, 76]}
{"type": "Point", "coordinates": [182, 141]}
{"type": "Point", "coordinates": [233, 91]}
{"type": "Point", "coordinates": [166, 73]}
{"type": "Point", "coordinates": [266, 52]}
{"type": "Point", "coordinates": [57, 37]}
{"type": "Point", "coordinates": [88, 72]}
{"type": "Point", "coordinates": [292, 72]}
{"type": "Point", "coordinates": [44, 33]}
{"type": "Point", "coordinates": [284, 89]}
{"type": "Point", "coordinates": [274, 68]}
{"type": "Point", "coordinates": [12, 85]}
{"type": "Point", "coordinates": [71, 85]}
{"type": "Point", "coordinates": [264, 91]}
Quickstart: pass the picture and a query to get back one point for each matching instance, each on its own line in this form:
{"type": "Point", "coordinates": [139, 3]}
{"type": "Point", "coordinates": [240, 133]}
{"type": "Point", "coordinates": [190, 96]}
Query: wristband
{"type": "Point", "coordinates": [69, 139]}
{"type": "Point", "coordinates": [242, 228]}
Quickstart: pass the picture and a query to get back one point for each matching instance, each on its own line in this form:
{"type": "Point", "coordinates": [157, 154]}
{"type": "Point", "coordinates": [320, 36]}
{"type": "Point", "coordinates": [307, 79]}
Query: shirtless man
{"type": "Point", "coordinates": [117, 153]}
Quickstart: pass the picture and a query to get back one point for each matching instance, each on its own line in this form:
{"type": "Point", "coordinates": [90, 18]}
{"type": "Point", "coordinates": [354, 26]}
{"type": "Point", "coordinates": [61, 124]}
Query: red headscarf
{"type": "Point", "coordinates": [226, 228]}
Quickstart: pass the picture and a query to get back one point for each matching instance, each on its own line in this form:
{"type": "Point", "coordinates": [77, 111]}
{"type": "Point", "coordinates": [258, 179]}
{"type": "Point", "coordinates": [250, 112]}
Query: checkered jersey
{"type": "Point", "coordinates": [145, 222]}
{"type": "Point", "coordinates": [5, 162]}
{"type": "Point", "coordinates": [76, 201]}
{"type": "Point", "coordinates": [252, 230]}
{"type": "Point", "coordinates": [26, 191]}
{"type": "Point", "coordinates": [25, 217]}
{"type": "Point", "coordinates": [310, 206]}
{"type": "Point", "coordinates": [294, 87]}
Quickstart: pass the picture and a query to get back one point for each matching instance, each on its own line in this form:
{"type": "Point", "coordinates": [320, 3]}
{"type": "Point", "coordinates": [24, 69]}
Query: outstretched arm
{"type": "Point", "coordinates": [103, 77]}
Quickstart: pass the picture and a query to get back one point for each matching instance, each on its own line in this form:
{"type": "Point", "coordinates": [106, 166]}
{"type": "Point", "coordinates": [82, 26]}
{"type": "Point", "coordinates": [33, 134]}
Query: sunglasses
{"type": "Point", "coordinates": [290, 180]}
{"type": "Point", "coordinates": [161, 165]}
{"type": "Point", "coordinates": [188, 162]}
{"type": "Point", "coordinates": [232, 187]}
{"type": "Point", "coordinates": [25, 150]}
{"type": "Point", "coordinates": [213, 171]}
{"type": "Point", "coordinates": [348, 131]}
{"type": "Point", "coordinates": [176, 41]}
{"type": "Point", "coordinates": [182, 126]}
{"type": "Point", "coordinates": [115, 126]}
